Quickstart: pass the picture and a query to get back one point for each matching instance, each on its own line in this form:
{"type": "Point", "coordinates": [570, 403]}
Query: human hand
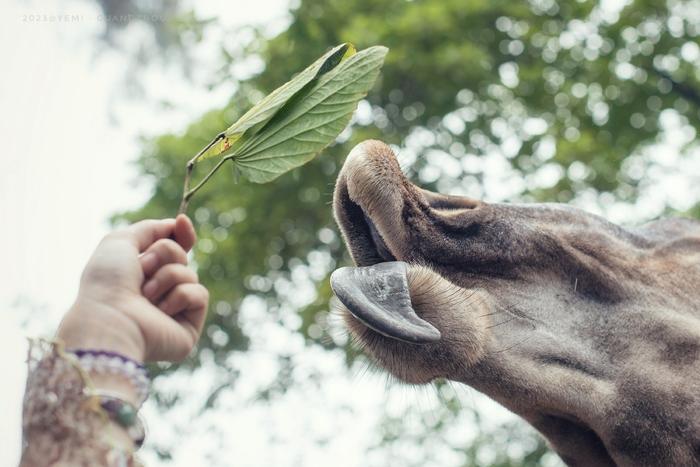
{"type": "Point", "coordinates": [137, 296]}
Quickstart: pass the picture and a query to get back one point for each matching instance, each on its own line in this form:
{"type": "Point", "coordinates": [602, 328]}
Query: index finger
{"type": "Point", "coordinates": [145, 233]}
{"type": "Point", "coordinates": [184, 233]}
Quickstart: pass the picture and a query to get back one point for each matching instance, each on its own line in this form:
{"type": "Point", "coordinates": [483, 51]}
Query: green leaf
{"type": "Point", "coordinates": [291, 125]}
{"type": "Point", "coordinates": [259, 115]}
{"type": "Point", "coordinates": [310, 120]}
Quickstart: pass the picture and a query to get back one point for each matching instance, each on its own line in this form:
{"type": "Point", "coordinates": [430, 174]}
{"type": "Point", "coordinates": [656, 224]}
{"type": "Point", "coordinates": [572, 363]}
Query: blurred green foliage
{"type": "Point", "coordinates": [576, 88]}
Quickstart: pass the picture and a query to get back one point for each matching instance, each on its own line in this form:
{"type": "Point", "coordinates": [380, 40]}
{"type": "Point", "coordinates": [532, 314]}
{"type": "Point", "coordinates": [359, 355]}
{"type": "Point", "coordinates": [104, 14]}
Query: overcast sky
{"type": "Point", "coordinates": [64, 169]}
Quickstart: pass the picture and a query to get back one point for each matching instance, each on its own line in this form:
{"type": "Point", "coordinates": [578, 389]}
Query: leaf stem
{"type": "Point", "coordinates": [186, 192]}
{"type": "Point", "coordinates": [190, 193]}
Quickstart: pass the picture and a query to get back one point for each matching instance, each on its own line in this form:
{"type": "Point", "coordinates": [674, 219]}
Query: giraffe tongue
{"type": "Point", "coordinates": [379, 297]}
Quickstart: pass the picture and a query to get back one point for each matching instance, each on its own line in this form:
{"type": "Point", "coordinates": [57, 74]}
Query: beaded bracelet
{"type": "Point", "coordinates": [123, 413]}
{"type": "Point", "coordinates": [103, 361]}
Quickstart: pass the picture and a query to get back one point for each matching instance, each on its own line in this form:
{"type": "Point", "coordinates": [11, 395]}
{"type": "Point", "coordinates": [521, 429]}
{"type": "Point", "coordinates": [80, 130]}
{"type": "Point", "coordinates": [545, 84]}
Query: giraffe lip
{"type": "Point", "coordinates": [379, 243]}
{"type": "Point", "coordinates": [379, 297]}
{"type": "Point", "coordinates": [362, 237]}
{"type": "Point", "coordinates": [367, 204]}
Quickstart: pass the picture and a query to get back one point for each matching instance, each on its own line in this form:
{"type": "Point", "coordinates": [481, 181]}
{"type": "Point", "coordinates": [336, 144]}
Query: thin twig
{"type": "Point", "coordinates": [190, 193]}
{"type": "Point", "coordinates": [684, 89]}
{"type": "Point", "coordinates": [186, 192]}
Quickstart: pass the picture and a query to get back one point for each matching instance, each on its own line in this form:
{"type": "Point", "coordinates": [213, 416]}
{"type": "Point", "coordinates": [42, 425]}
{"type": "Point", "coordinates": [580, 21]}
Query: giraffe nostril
{"type": "Point", "coordinates": [442, 202]}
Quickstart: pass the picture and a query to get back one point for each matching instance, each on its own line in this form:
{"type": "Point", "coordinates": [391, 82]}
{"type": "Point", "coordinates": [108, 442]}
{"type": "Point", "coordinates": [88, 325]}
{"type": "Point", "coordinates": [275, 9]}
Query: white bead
{"type": "Point", "coordinates": [115, 365]}
{"type": "Point", "coordinates": [137, 376]}
{"type": "Point", "coordinates": [101, 361]}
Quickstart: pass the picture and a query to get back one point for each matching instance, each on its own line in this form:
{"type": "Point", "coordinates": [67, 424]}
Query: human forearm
{"type": "Point", "coordinates": [63, 423]}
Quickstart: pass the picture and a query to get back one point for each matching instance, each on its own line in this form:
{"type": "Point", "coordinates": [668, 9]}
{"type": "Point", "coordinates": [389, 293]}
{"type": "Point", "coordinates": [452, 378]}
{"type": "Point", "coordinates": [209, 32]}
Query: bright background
{"type": "Point", "coordinates": [74, 128]}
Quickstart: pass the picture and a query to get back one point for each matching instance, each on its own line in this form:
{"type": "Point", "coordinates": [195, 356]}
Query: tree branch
{"type": "Point", "coordinates": [688, 92]}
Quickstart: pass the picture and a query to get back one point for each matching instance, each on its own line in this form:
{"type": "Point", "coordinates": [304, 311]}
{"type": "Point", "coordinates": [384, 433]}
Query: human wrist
{"type": "Point", "coordinates": [115, 373]}
{"type": "Point", "coordinates": [91, 324]}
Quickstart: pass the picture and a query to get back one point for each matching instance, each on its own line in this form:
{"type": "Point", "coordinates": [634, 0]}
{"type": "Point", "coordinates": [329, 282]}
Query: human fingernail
{"type": "Point", "coordinates": [150, 288]}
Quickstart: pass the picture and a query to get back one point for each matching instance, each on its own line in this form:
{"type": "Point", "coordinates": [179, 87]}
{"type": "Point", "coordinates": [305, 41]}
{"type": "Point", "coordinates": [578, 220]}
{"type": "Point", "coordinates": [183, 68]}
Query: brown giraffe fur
{"type": "Point", "coordinates": [587, 330]}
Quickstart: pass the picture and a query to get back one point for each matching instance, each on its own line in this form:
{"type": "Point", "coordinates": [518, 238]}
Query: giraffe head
{"type": "Point", "coordinates": [589, 331]}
